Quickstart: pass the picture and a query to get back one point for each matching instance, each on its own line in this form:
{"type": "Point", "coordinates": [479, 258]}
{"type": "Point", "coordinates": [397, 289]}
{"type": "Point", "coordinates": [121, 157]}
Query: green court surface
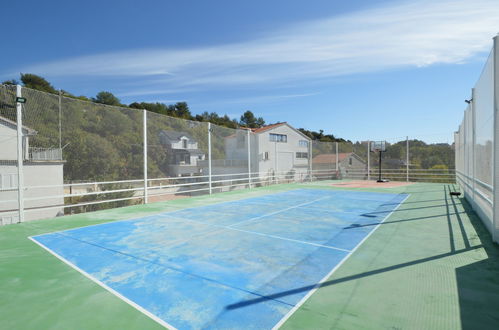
{"type": "Point", "coordinates": [430, 265]}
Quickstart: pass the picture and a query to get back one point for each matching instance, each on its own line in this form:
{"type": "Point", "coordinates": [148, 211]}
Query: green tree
{"type": "Point", "coordinates": [107, 98]}
{"type": "Point", "coordinates": [33, 81]}
{"type": "Point", "coordinates": [248, 119]}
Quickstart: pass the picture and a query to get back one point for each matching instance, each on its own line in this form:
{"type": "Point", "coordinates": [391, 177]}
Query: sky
{"type": "Point", "coordinates": [361, 70]}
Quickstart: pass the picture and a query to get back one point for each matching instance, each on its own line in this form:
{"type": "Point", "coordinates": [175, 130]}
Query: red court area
{"type": "Point", "coordinates": [370, 184]}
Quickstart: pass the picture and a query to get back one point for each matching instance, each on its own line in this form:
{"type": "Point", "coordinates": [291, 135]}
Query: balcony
{"type": "Point", "coordinates": [45, 154]}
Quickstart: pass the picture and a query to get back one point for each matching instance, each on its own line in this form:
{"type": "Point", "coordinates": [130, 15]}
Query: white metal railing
{"type": "Point", "coordinates": [220, 182]}
{"type": "Point", "coordinates": [193, 179]}
{"type": "Point", "coordinates": [45, 154]}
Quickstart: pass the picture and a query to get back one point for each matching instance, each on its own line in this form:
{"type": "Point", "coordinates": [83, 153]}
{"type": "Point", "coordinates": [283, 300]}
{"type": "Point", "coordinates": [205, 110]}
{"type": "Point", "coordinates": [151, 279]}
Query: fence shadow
{"type": "Point", "coordinates": [478, 283]}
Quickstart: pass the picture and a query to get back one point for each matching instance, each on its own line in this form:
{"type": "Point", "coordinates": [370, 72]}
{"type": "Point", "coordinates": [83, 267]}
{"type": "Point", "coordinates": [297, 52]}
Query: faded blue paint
{"type": "Point", "coordinates": [224, 265]}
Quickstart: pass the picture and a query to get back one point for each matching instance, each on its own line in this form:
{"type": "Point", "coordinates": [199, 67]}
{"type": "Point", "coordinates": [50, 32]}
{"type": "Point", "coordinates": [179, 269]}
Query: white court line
{"type": "Point", "coordinates": [258, 233]}
{"type": "Point", "coordinates": [117, 294]}
{"type": "Point", "coordinates": [289, 239]}
{"type": "Point", "coordinates": [317, 286]}
{"type": "Point", "coordinates": [276, 212]}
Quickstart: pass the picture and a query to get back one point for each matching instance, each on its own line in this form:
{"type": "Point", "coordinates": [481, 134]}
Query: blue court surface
{"type": "Point", "coordinates": [238, 264]}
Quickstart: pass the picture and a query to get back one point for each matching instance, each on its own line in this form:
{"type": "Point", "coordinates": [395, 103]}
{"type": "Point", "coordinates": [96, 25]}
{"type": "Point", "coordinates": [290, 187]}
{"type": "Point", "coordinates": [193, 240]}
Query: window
{"type": "Point", "coordinates": [184, 143]}
{"type": "Point", "coordinates": [350, 161]}
{"type": "Point", "coordinates": [266, 155]}
{"type": "Point", "coordinates": [302, 155]}
{"type": "Point", "coordinates": [278, 137]}
{"type": "Point", "coordinates": [303, 143]}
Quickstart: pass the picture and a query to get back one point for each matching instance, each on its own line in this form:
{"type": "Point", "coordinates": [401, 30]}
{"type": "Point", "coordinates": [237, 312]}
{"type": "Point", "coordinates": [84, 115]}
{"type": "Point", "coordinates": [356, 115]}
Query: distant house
{"type": "Point", "coordinates": [275, 149]}
{"type": "Point", "coordinates": [350, 165]}
{"type": "Point", "coordinates": [183, 152]}
{"type": "Point", "coordinates": [42, 167]}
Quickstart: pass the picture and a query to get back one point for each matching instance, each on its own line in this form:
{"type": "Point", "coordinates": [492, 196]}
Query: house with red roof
{"type": "Point", "coordinates": [277, 150]}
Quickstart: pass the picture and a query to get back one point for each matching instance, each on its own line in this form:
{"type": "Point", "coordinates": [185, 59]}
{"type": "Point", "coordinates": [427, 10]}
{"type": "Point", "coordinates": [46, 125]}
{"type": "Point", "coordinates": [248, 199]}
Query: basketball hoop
{"type": "Point", "coordinates": [379, 146]}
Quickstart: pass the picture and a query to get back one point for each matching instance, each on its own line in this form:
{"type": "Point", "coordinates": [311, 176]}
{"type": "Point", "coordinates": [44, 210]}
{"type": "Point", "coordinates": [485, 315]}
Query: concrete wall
{"type": "Point", "coordinates": [8, 143]}
{"type": "Point", "coordinates": [35, 174]}
{"type": "Point", "coordinates": [282, 155]}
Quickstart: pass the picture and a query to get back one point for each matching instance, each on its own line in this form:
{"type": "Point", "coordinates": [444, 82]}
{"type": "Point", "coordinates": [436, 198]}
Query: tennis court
{"type": "Point", "coordinates": [224, 265]}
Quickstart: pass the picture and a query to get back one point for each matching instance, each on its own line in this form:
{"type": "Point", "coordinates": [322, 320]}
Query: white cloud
{"type": "Point", "coordinates": [410, 34]}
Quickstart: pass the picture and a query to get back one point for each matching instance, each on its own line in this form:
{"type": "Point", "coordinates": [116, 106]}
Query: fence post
{"type": "Point", "coordinates": [495, 213]}
{"type": "Point", "coordinates": [310, 161]}
{"type": "Point", "coordinates": [407, 158]}
{"type": "Point", "coordinates": [209, 155]}
{"type": "Point", "coordinates": [368, 160]}
{"type": "Point", "coordinates": [60, 121]}
{"type": "Point", "coordinates": [473, 137]}
{"type": "Point", "coordinates": [144, 128]}
{"type": "Point", "coordinates": [249, 158]}
{"type": "Point", "coordinates": [20, 155]}
{"type": "Point", "coordinates": [336, 157]}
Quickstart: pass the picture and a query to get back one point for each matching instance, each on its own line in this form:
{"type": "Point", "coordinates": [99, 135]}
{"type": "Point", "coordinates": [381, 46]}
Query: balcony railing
{"type": "Point", "coordinates": [45, 154]}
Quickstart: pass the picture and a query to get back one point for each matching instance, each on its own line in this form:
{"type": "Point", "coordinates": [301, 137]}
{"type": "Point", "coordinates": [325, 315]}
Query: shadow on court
{"type": "Point", "coordinates": [477, 283]}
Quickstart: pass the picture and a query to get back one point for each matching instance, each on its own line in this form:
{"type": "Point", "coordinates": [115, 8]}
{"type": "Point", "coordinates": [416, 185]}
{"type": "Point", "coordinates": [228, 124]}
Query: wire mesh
{"type": "Point", "coordinates": [229, 158]}
{"type": "Point", "coordinates": [178, 155]}
{"type": "Point", "coordinates": [324, 161]}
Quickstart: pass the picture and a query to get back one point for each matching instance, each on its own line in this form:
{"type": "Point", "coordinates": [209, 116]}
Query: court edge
{"type": "Point", "coordinates": [318, 285]}
{"type": "Point", "coordinates": [117, 294]}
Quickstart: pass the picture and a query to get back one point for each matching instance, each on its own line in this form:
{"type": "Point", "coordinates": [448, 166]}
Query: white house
{"type": "Point", "coordinates": [183, 152]}
{"type": "Point", "coordinates": [277, 149]}
{"type": "Point", "coordinates": [41, 167]}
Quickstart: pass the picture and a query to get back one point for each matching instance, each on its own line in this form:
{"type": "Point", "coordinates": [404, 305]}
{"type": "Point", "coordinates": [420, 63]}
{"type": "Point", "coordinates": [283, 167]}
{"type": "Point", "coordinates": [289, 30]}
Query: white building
{"type": "Point", "coordinates": [41, 167]}
{"type": "Point", "coordinates": [183, 152]}
{"type": "Point", "coordinates": [277, 149]}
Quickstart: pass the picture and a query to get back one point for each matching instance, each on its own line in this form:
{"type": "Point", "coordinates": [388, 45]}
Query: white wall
{"type": "Point", "coordinates": [8, 143]}
{"type": "Point", "coordinates": [36, 174]}
{"type": "Point", "coordinates": [282, 155]}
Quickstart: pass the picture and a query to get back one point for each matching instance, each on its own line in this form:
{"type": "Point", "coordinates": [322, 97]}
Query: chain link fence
{"type": "Point", "coordinates": [476, 147]}
{"type": "Point", "coordinates": [79, 156]}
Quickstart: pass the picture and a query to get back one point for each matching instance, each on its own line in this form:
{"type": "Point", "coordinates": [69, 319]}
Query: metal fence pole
{"type": "Point", "coordinates": [249, 158]}
{"type": "Point", "coordinates": [276, 177]}
{"type": "Point", "coordinates": [20, 155]}
{"type": "Point", "coordinates": [368, 160]}
{"type": "Point", "coordinates": [336, 157]}
{"type": "Point", "coordinates": [473, 141]}
{"type": "Point", "coordinates": [310, 161]}
{"type": "Point", "coordinates": [495, 213]}
{"type": "Point", "coordinates": [407, 158]}
{"type": "Point", "coordinates": [209, 155]}
{"type": "Point", "coordinates": [60, 120]}
{"type": "Point", "coordinates": [145, 155]}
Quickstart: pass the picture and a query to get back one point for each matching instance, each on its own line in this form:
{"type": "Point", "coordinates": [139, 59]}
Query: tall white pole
{"type": "Point", "coordinates": [20, 156]}
{"type": "Point", "coordinates": [60, 119]}
{"type": "Point", "coordinates": [473, 137]}
{"type": "Point", "coordinates": [209, 155]}
{"type": "Point", "coordinates": [369, 160]}
{"type": "Point", "coordinates": [310, 161]}
{"type": "Point", "coordinates": [495, 225]}
{"type": "Point", "coordinates": [144, 128]}
{"type": "Point", "coordinates": [276, 178]}
{"type": "Point", "coordinates": [249, 157]}
{"type": "Point", "coordinates": [407, 158]}
{"type": "Point", "coordinates": [336, 157]}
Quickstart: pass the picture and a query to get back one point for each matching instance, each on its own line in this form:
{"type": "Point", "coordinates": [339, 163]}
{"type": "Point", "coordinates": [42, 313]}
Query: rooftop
{"type": "Point", "coordinates": [430, 265]}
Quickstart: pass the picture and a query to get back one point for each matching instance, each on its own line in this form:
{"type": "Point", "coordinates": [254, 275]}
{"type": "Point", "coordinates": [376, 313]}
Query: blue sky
{"type": "Point", "coordinates": [358, 69]}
